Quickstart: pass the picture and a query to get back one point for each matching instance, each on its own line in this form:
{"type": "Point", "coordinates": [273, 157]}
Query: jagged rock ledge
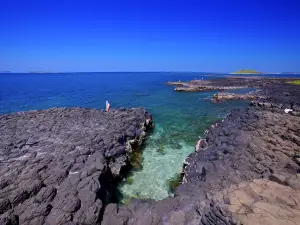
{"type": "Point", "coordinates": [62, 165]}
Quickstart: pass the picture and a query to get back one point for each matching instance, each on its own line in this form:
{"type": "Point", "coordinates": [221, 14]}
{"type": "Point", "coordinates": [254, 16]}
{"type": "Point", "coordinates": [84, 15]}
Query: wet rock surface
{"type": "Point", "coordinates": [61, 165]}
{"type": "Point", "coordinates": [245, 170]}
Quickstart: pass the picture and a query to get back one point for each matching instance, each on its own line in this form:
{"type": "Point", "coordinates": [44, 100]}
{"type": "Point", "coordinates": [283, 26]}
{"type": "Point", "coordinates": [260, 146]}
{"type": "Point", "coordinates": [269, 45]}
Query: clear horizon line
{"type": "Point", "coordinates": [162, 71]}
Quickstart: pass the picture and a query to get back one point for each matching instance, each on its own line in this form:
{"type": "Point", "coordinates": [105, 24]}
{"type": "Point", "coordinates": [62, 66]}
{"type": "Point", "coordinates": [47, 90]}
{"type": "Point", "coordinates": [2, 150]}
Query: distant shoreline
{"type": "Point", "coordinates": [249, 73]}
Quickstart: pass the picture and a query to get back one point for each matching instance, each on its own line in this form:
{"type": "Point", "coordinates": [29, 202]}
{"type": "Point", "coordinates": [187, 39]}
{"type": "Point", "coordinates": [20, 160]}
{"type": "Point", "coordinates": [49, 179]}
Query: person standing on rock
{"type": "Point", "coordinates": [107, 106]}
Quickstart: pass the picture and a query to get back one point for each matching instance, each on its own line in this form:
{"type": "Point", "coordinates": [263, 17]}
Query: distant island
{"type": "Point", "coordinates": [246, 72]}
{"type": "Point", "coordinates": [5, 71]}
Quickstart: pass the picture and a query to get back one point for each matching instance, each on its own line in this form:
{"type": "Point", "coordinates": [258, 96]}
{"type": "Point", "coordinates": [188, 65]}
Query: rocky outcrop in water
{"type": "Point", "coordinates": [202, 86]}
{"type": "Point", "coordinates": [61, 165]}
{"type": "Point", "coordinates": [227, 84]}
{"type": "Point", "coordinates": [191, 88]}
{"type": "Point", "coordinates": [223, 96]}
{"type": "Point", "coordinates": [245, 169]}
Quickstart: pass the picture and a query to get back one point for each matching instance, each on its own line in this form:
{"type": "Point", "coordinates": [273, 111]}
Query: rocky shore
{"type": "Point", "coordinates": [245, 169]}
{"type": "Point", "coordinates": [62, 165]}
{"type": "Point", "coordinates": [226, 84]}
{"type": "Point", "coordinates": [201, 86]}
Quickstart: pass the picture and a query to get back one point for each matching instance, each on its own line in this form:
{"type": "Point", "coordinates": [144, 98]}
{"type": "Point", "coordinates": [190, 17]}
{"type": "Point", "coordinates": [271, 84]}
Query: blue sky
{"type": "Point", "coordinates": [111, 35]}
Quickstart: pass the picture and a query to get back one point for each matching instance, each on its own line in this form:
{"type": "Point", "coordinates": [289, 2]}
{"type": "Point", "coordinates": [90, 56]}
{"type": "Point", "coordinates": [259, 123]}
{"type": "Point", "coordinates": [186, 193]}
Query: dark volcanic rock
{"type": "Point", "coordinates": [259, 144]}
{"type": "Point", "coordinates": [56, 165]}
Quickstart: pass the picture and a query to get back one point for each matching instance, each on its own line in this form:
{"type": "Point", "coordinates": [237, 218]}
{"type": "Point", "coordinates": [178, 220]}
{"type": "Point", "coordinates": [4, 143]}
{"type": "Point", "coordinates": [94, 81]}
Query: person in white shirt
{"type": "Point", "coordinates": [107, 106]}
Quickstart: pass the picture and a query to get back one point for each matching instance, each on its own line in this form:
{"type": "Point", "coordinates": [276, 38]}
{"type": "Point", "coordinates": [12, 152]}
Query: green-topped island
{"type": "Point", "coordinates": [247, 72]}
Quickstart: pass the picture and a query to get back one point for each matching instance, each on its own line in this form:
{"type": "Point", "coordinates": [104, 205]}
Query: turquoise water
{"type": "Point", "coordinates": [180, 118]}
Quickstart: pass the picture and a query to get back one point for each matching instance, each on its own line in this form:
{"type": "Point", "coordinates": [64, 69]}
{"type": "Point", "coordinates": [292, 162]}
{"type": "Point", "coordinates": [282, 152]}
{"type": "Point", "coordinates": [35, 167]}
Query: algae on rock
{"type": "Point", "coordinates": [174, 182]}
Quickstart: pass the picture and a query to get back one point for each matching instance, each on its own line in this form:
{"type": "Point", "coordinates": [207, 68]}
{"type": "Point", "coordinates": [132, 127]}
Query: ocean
{"type": "Point", "coordinates": [180, 118]}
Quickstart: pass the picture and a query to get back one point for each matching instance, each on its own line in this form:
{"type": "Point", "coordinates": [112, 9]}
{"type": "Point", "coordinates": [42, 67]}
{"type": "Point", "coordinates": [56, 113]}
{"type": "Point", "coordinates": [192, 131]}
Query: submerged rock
{"type": "Point", "coordinates": [174, 182]}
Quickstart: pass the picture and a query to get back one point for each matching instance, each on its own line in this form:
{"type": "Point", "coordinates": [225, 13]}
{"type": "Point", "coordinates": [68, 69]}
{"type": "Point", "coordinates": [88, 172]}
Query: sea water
{"type": "Point", "coordinates": [180, 118]}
